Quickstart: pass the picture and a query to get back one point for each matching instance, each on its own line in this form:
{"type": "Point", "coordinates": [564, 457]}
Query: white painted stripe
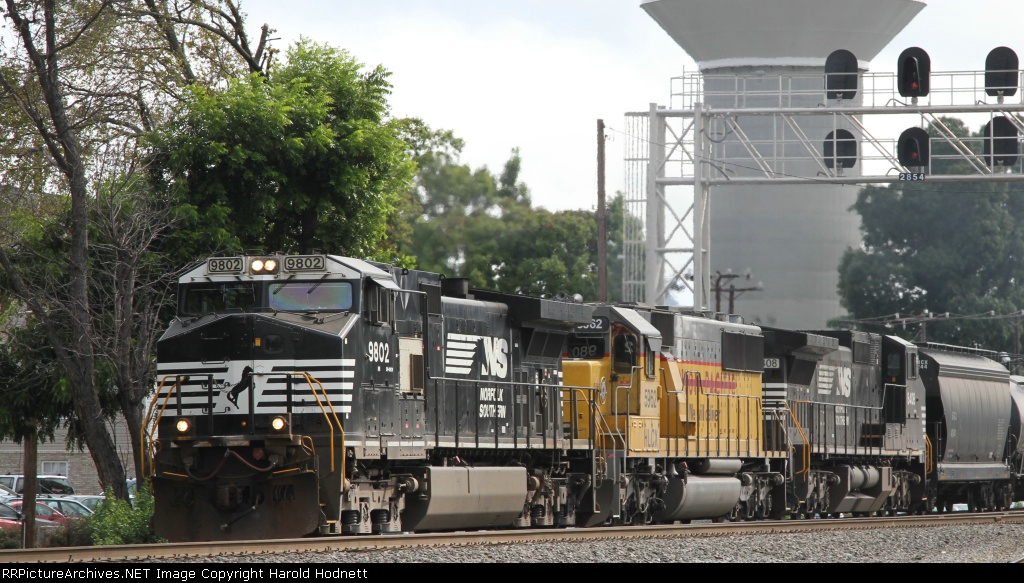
{"type": "Point", "coordinates": [463, 346]}
{"type": "Point", "coordinates": [295, 409]}
{"type": "Point", "coordinates": [456, 370]}
{"type": "Point", "coordinates": [458, 361]}
{"type": "Point", "coordinates": [304, 399]}
{"type": "Point", "coordinates": [406, 444]}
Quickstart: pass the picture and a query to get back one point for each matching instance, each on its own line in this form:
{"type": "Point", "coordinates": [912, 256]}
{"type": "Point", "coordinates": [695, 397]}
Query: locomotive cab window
{"type": "Point", "coordinates": [311, 296]}
{"type": "Point", "coordinates": [894, 366]}
{"type": "Point", "coordinates": [623, 351]}
{"type": "Point", "coordinates": [216, 298]}
{"type": "Point", "coordinates": [378, 304]}
{"type": "Point", "coordinates": [649, 363]}
{"type": "Point", "coordinates": [912, 365]}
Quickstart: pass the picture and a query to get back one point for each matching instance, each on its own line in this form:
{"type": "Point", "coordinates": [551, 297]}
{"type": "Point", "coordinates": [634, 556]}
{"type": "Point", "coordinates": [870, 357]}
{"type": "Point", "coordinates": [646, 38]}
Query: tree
{"type": "Point", "coordinates": [919, 255]}
{"type": "Point", "coordinates": [27, 369]}
{"type": "Point", "coordinates": [304, 158]}
{"type": "Point", "coordinates": [470, 223]}
{"type": "Point", "coordinates": [42, 97]}
{"type": "Point", "coordinates": [82, 83]}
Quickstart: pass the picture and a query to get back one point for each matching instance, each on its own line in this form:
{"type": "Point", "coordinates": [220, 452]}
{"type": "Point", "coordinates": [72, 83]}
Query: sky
{"type": "Point", "coordinates": [537, 74]}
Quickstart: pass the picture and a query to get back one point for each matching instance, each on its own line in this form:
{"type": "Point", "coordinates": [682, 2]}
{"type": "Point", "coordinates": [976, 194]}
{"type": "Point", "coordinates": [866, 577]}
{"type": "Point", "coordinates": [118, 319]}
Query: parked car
{"type": "Point", "coordinates": [11, 518]}
{"type": "Point", "coordinates": [90, 501]}
{"type": "Point", "coordinates": [46, 484]}
{"type": "Point", "coordinates": [43, 512]}
{"type": "Point", "coordinates": [66, 506]}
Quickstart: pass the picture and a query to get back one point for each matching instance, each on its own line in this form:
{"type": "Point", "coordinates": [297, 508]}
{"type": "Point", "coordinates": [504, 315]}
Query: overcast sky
{"type": "Point", "coordinates": [538, 74]}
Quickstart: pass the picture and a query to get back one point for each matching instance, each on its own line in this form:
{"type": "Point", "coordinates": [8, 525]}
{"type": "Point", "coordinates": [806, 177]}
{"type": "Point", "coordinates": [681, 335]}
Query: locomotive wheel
{"type": "Point", "coordinates": [746, 511]}
{"type": "Point", "coordinates": [1005, 497]}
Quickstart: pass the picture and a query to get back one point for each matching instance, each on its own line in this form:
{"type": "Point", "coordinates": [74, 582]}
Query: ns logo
{"type": "Point", "coordinates": [462, 351]}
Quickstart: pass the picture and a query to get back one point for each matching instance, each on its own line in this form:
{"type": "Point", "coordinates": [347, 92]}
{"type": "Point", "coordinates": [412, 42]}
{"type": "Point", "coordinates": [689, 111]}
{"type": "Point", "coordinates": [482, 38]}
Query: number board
{"type": "Point", "coordinates": [772, 363]}
{"type": "Point", "coordinates": [302, 263]}
{"type": "Point", "coordinates": [225, 265]}
{"type": "Point", "coordinates": [589, 348]}
{"type": "Point", "coordinates": [597, 324]}
{"type": "Point", "coordinates": [915, 176]}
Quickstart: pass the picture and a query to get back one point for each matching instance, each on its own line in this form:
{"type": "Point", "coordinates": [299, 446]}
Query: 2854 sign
{"type": "Point", "coordinates": [912, 176]}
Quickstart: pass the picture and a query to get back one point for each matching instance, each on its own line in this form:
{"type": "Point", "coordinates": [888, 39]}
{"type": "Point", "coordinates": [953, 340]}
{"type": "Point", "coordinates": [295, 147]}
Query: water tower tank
{"type": "Point", "coordinates": [791, 237]}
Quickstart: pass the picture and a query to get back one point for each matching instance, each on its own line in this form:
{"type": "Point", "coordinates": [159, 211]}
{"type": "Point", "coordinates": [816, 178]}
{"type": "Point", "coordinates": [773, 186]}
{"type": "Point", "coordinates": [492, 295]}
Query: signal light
{"type": "Point", "coordinates": [841, 75]}
{"type": "Point", "coordinates": [1001, 72]}
{"type": "Point", "coordinates": [912, 148]}
{"type": "Point", "coordinates": [183, 426]}
{"type": "Point", "coordinates": [1001, 145]}
{"type": "Point", "coordinates": [278, 423]}
{"type": "Point", "coordinates": [912, 76]}
{"type": "Point", "coordinates": [841, 149]}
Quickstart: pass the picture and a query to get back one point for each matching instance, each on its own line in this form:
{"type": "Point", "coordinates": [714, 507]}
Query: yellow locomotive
{"type": "Point", "coordinates": [677, 409]}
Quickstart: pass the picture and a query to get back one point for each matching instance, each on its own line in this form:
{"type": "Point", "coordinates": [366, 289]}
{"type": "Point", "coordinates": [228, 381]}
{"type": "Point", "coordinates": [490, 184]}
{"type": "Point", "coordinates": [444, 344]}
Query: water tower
{"type": "Point", "coordinates": [753, 54]}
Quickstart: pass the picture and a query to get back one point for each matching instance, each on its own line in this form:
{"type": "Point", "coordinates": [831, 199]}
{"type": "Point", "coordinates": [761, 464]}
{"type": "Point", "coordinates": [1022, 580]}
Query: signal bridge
{"type": "Point", "coordinates": [846, 127]}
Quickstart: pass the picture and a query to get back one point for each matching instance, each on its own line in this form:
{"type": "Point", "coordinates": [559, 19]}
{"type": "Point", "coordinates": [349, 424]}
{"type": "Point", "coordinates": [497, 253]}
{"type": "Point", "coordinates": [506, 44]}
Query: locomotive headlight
{"type": "Point", "coordinates": [268, 265]}
{"type": "Point", "coordinates": [183, 426]}
{"type": "Point", "coordinates": [278, 423]}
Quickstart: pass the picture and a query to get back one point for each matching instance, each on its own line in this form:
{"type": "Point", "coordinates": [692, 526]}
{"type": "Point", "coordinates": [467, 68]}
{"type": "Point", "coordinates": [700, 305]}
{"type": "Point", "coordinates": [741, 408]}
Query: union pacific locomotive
{"type": "Point", "coordinates": [318, 394]}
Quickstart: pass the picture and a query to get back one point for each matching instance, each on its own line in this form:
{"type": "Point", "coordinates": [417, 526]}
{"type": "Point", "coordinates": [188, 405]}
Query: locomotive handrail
{"type": "Point", "coordinates": [146, 447]}
{"type": "Point", "coordinates": [310, 380]}
{"type": "Point", "coordinates": [800, 430]}
{"type": "Point", "coordinates": [597, 421]}
{"type": "Point", "coordinates": [822, 407]}
{"type": "Point", "coordinates": [929, 464]}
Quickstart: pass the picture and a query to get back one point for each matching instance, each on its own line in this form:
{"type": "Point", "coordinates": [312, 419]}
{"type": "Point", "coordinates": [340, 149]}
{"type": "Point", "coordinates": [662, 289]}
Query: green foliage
{"type": "Point", "coordinates": [117, 522]}
{"type": "Point", "coordinates": [34, 399]}
{"type": "Point", "coordinates": [941, 247]}
{"type": "Point", "coordinates": [10, 538]}
{"type": "Point", "coordinates": [73, 533]}
{"type": "Point", "coordinates": [470, 223]}
{"type": "Point", "coordinates": [300, 160]}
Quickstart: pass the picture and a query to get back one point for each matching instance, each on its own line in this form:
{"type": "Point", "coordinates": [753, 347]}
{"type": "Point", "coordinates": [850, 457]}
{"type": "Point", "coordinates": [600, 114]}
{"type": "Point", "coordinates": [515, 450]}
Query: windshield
{"type": "Point", "coordinates": [207, 298]}
{"type": "Point", "coordinates": [305, 296]}
{"type": "Point", "coordinates": [54, 486]}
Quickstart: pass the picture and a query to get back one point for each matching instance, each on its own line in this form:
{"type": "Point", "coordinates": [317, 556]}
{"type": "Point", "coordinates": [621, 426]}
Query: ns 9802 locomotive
{"type": "Point", "coordinates": [320, 394]}
{"type": "Point", "coordinates": [323, 394]}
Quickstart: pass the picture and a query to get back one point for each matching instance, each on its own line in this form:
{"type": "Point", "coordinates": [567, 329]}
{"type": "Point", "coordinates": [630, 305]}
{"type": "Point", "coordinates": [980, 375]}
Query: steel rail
{"type": "Point", "coordinates": [178, 551]}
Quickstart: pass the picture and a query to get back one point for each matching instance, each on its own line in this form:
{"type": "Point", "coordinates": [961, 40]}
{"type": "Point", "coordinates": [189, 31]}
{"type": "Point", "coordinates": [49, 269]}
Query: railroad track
{"type": "Point", "coordinates": [172, 551]}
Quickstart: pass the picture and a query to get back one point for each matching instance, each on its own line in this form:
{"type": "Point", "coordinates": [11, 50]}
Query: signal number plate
{"type": "Point", "coordinates": [912, 176]}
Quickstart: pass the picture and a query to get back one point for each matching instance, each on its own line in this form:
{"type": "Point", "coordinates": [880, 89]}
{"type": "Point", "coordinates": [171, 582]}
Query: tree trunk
{"type": "Point", "coordinates": [28, 504]}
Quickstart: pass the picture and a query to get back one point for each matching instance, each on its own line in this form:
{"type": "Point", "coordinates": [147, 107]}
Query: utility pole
{"type": "Point", "coordinates": [734, 292]}
{"type": "Point", "coordinates": [602, 220]}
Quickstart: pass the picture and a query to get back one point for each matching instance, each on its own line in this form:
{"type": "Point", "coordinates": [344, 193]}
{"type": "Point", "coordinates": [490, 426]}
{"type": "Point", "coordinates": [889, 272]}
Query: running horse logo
{"type": "Point", "coordinates": [243, 385]}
